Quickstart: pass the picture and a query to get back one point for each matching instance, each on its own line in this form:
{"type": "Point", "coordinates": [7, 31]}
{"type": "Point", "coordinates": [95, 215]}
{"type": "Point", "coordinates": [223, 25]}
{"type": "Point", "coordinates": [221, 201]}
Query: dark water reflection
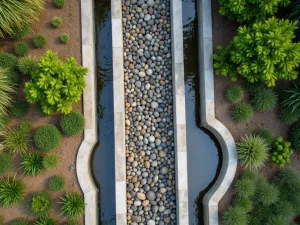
{"type": "Point", "coordinates": [203, 152]}
{"type": "Point", "coordinates": [103, 160]}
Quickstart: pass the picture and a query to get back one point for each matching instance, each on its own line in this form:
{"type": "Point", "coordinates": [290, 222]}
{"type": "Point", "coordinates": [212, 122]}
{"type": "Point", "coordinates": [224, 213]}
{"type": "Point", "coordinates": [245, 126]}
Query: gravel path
{"type": "Point", "coordinates": [149, 112]}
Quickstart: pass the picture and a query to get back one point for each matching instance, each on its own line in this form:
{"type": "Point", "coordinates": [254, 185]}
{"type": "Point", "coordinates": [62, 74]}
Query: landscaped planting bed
{"type": "Point", "coordinates": [44, 168]}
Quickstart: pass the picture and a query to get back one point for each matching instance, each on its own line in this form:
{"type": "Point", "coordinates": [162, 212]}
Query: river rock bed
{"type": "Point", "coordinates": [150, 156]}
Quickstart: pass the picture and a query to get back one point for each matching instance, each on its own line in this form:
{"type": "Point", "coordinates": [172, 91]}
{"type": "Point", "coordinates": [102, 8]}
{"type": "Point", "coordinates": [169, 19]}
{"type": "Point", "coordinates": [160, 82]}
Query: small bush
{"type": "Point", "coordinates": [72, 205]}
{"type": "Point", "coordinates": [25, 126]}
{"type": "Point", "coordinates": [50, 161]}
{"type": "Point", "coordinates": [243, 203]}
{"type": "Point", "coordinates": [20, 33]}
{"type": "Point", "coordinates": [284, 209]}
{"type": "Point", "coordinates": [9, 62]}
{"type": "Point", "coordinates": [32, 164]}
{"type": "Point", "coordinates": [294, 136]}
{"type": "Point", "coordinates": [72, 222]}
{"type": "Point", "coordinates": [4, 120]}
{"type": "Point", "coordinates": [16, 141]}
{"type": "Point", "coordinates": [6, 163]}
{"type": "Point", "coordinates": [47, 137]}
{"type": "Point", "coordinates": [45, 221]}
{"type": "Point", "coordinates": [288, 117]}
{"type": "Point", "coordinates": [6, 91]}
{"type": "Point", "coordinates": [264, 100]}
{"type": "Point", "coordinates": [244, 188]}
{"type": "Point", "coordinates": [255, 87]}
{"type": "Point", "coordinates": [56, 183]}
{"type": "Point", "coordinates": [20, 222]}
{"type": "Point", "coordinates": [27, 65]}
{"type": "Point", "coordinates": [64, 38]}
{"type": "Point", "coordinates": [59, 3]}
{"type": "Point", "coordinates": [281, 152]}
{"type": "Point", "coordinates": [56, 22]}
{"type": "Point", "coordinates": [252, 151]}
{"type": "Point", "coordinates": [266, 134]}
{"type": "Point", "coordinates": [39, 41]}
{"type": "Point", "coordinates": [11, 192]}
{"type": "Point", "coordinates": [72, 123]}
{"type": "Point", "coordinates": [242, 112]}
{"type": "Point", "coordinates": [21, 49]}
{"type": "Point", "coordinates": [249, 175]}
{"type": "Point", "coordinates": [40, 203]}
{"type": "Point", "coordinates": [235, 216]}
{"type": "Point", "coordinates": [19, 109]}
{"type": "Point", "coordinates": [266, 193]}
{"type": "Point", "coordinates": [234, 94]}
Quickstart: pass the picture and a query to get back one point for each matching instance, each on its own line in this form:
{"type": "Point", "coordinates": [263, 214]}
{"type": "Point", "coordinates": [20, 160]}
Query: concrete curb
{"type": "Point", "coordinates": [179, 113]}
{"type": "Point", "coordinates": [83, 167]}
{"type": "Point", "coordinates": [208, 120]}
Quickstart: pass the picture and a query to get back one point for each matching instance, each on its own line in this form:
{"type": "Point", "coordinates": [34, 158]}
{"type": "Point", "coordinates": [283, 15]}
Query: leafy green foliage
{"type": "Point", "coordinates": [25, 126]}
{"type": "Point", "coordinates": [252, 151]}
{"type": "Point", "coordinates": [64, 38]}
{"type": "Point", "coordinates": [72, 123]}
{"type": "Point", "coordinates": [39, 41]}
{"type": "Point", "coordinates": [56, 84]}
{"type": "Point", "coordinates": [72, 205]}
{"type": "Point", "coordinates": [250, 10]}
{"type": "Point", "coordinates": [47, 138]}
{"type": "Point", "coordinates": [266, 134]}
{"type": "Point", "coordinates": [21, 49]}
{"type": "Point", "coordinates": [11, 192]}
{"type": "Point", "coordinates": [17, 14]}
{"type": "Point", "coordinates": [294, 136]}
{"type": "Point", "coordinates": [50, 161]}
{"type": "Point", "coordinates": [19, 109]}
{"type": "Point", "coordinates": [242, 112]}
{"type": "Point", "coordinates": [255, 87]}
{"type": "Point", "coordinates": [20, 33]}
{"type": "Point", "coordinates": [9, 62]}
{"type": "Point", "coordinates": [281, 152]}
{"type": "Point", "coordinates": [32, 164]}
{"type": "Point", "coordinates": [27, 65]}
{"type": "Point", "coordinates": [258, 56]}
{"type": "Point", "coordinates": [45, 221]}
{"type": "Point", "coordinates": [15, 141]}
{"type": "Point", "coordinates": [294, 14]}
{"type": "Point", "coordinates": [59, 3]}
{"type": "Point", "coordinates": [20, 222]}
{"type": "Point", "coordinates": [235, 216]}
{"type": "Point", "coordinates": [234, 94]}
{"type": "Point", "coordinates": [244, 188]}
{"type": "Point", "coordinates": [264, 100]}
{"type": "Point", "coordinates": [40, 203]}
{"type": "Point", "coordinates": [290, 104]}
{"type": "Point", "coordinates": [6, 90]}
{"type": "Point", "coordinates": [6, 163]}
{"type": "Point", "coordinates": [288, 117]}
{"type": "Point", "coordinates": [56, 183]}
{"type": "Point", "coordinates": [56, 22]}
{"type": "Point", "coordinates": [4, 120]}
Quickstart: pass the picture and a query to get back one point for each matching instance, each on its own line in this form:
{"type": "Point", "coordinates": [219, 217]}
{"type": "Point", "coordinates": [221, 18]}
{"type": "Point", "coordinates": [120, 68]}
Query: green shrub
{"type": "Point", "coordinates": [72, 222]}
{"type": "Point", "coordinates": [16, 141]}
{"type": "Point", "coordinates": [40, 203]}
{"type": "Point", "coordinates": [59, 3]}
{"type": "Point", "coordinates": [50, 161]}
{"type": "Point", "coordinates": [45, 221]}
{"type": "Point", "coordinates": [294, 14]}
{"type": "Point", "coordinates": [9, 62]}
{"type": "Point", "coordinates": [72, 123]}
{"type": "Point", "coordinates": [32, 164]}
{"type": "Point", "coordinates": [61, 94]}
{"type": "Point", "coordinates": [20, 33]}
{"type": "Point", "coordinates": [56, 22]}
{"type": "Point", "coordinates": [25, 126]}
{"type": "Point", "coordinates": [235, 216]}
{"type": "Point", "coordinates": [19, 109]}
{"type": "Point", "coordinates": [18, 14]}
{"type": "Point", "coordinates": [287, 117]}
{"type": "Point", "coordinates": [6, 91]}
{"type": "Point", "coordinates": [4, 120]}
{"type": "Point", "coordinates": [294, 136]}
{"type": "Point", "coordinates": [56, 183]}
{"type": "Point", "coordinates": [266, 193]}
{"type": "Point", "coordinates": [258, 56]}
{"type": "Point", "coordinates": [6, 163]}
{"type": "Point", "coordinates": [39, 41]}
{"type": "Point", "coordinates": [244, 188]}
{"type": "Point", "coordinates": [284, 209]}
{"type": "Point", "coordinates": [255, 87]}
{"type": "Point", "coordinates": [64, 38]}
{"type": "Point", "coordinates": [11, 192]}
{"type": "Point", "coordinates": [20, 222]}
{"type": "Point", "coordinates": [72, 205]}
{"type": "Point", "coordinates": [27, 65]}
{"type": "Point", "coordinates": [264, 100]}
{"type": "Point", "coordinates": [242, 112]}
{"type": "Point", "coordinates": [288, 174]}
{"type": "Point", "coordinates": [21, 49]}
{"type": "Point", "coordinates": [281, 152]}
{"type": "Point", "coordinates": [243, 203]}
{"type": "Point", "coordinates": [47, 138]}
{"type": "Point", "coordinates": [266, 134]}
{"type": "Point", "coordinates": [249, 175]}
{"type": "Point", "coordinates": [252, 151]}
{"type": "Point", "coordinates": [234, 94]}
{"type": "Point", "coordinates": [290, 105]}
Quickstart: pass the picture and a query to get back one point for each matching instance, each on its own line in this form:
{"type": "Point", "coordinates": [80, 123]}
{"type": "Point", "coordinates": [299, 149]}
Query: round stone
{"type": "Point", "coordinates": [164, 170]}
{"type": "Point", "coordinates": [154, 105]}
{"type": "Point", "coordinates": [151, 195]}
{"type": "Point", "coordinates": [141, 196]}
{"type": "Point", "coordinates": [148, 37]}
{"type": "Point", "coordinates": [150, 3]}
{"type": "Point", "coordinates": [150, 222]}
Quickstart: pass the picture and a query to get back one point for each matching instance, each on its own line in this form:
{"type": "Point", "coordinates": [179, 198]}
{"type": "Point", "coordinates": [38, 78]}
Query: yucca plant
{"type": "Point", "coordinates": [32, 164]}
{"type": "Point", "coordinates": [11, 191]}
{"type": "Point", "coordinates": [72, 205]}
{"type": "Point", "coordinates": [16, 14]}
{"type": "Point", "coordinates": [15, 141]}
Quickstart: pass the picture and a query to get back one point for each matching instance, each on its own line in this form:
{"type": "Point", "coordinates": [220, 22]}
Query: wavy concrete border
{"type": "Point", "coordinates": [83, 167]}
{"type": "Point", "coordinates": [208, 120]}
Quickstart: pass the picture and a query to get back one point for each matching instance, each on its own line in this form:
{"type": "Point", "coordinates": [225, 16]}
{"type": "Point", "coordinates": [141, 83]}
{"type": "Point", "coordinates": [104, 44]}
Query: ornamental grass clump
{"type": "Point", "coordinates": [39, 41]}
{"type": "Point", "coordinates": [266, 134]}
{"type": "Point", "coordinates": [21, 49]}
{"type": "Point", "coordinates": [56, 85]}
{"type": "Point", "coordinates": [20, 222]}
{"type": "Point", "coordinates": [27, 65]}
{"type": "Point", "coordinates": [72, 123]}
{"type": "Point", "coordinates": [244, 188]}
{"type": "Point", "coordinates": [16, 141]}
{"type": "Point", "coordinates": [56, 183]}
{"type": "Point", "coordinates": [6, 163]}
{"type": "Point", "coordinates": [288, 117]}
{"type": "Point", "coordinates": [235, 216]}
{"type": "Point", "coordinates": [294, 136]}
{"type": "Point", "coordinates": [264, 100]}
{"type": "Point", "coordinates": [59, 3]}
{"type": "Point", "coordinates": [252, 152]}
{"type": "Point", "coordinates": [47, 137]}
{"type": "Point", "coordinates": [11, 192]}
{"type": "Point", "coordinates": [25, 126]}
{"type": "Point", "coordinates": [8, 64]}
{"type": "Point", "coordinates": [32, 164]}
{"type": "Point", "coordinates": [242, 112]}
{"type": "Point", "coordinates": [64, 38]}
{"type": "Point", "coordinates": [45, 220]}
{"type": "Point", "coordinates": [234, 94]}
{"type": "Point", "coordinates": [266, 193]}
{"type": "Point", "coordinates": [243, 203]}
{"type": "Point", "coordinates": [72, 205]}
{"type": "Point", "coordinates": [72, 222]}
{"type": "Point", "coordinates": [20, 33]}
{"type": "Point", "coordinates": [19, 109]}
{"type": "Point", "coordinates": [40, 203]}
{"type": "Point", "coordinates": [6, 91]}
{"type": "Point", "coordinates": [50, 161]}
{"type": "Point", "coordinates": [56, 22]}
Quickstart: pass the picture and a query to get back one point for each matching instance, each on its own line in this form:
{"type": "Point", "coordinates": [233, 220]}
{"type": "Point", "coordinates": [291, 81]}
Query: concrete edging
{"type": "Point", "coordinates": [83, 167]}
{"type": "Point", "coordinates": [208, 120]}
